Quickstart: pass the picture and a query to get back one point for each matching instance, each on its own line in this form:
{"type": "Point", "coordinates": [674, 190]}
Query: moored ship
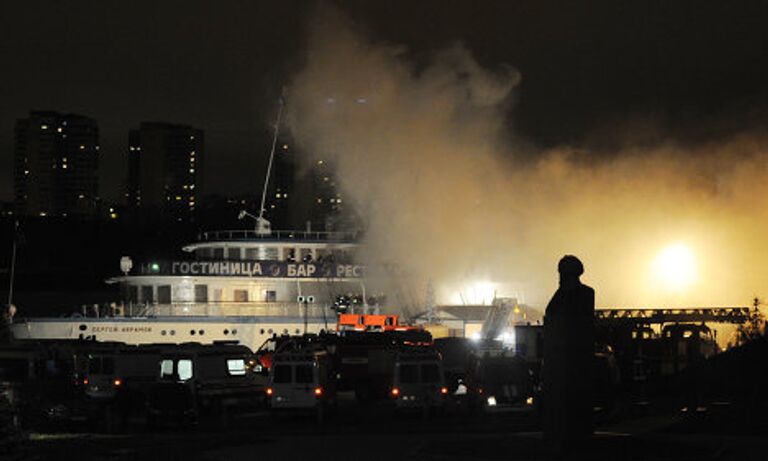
{"type": "Point", "coordinates": [234, 285]}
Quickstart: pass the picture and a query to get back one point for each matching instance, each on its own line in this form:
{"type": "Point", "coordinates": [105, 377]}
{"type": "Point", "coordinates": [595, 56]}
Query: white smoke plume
{"type": "Point", "coordinates": [423, 154]}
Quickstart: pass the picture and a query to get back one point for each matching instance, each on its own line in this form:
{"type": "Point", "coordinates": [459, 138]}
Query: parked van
{"type": "Point", "coordinates": [418, 381]}
{"type": "Point", "coordinates": [203, 380]}
{"type": "Point", "coordinates": [301, 380]}
{"type": "Point", "coordinates": [503, 381]}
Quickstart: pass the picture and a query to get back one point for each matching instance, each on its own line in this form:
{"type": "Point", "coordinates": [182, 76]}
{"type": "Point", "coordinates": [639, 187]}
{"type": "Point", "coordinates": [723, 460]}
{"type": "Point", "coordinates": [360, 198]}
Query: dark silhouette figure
{"type": "Point", "coordinates": [568, 360]}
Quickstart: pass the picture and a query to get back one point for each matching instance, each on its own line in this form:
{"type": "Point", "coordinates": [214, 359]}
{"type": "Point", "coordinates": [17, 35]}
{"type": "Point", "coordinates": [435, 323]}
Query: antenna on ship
{"type": "Point", "coordinates": [263, 226]}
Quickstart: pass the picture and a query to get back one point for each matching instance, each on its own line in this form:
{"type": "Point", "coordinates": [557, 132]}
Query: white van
{"type": "Point", "coordinates": [418, 381]}
{"type": "Point", "coordinates": [301, 381]}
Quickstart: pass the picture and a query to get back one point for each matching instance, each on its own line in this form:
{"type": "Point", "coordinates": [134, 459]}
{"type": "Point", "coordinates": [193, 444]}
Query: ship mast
{"type": "Point", "coordinates": [262, 225]}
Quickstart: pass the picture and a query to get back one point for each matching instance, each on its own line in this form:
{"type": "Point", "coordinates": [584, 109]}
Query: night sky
{"type": "Point", "coordinates": [594, 73]}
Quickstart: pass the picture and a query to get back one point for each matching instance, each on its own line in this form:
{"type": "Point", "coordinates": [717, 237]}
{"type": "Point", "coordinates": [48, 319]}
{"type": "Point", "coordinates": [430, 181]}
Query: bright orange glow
{"type": "Point", "coordinates": [443, 390]}
{"type": "Point", "coordinates": [117, 382]}
{"type": "Point", "coordinates": [395, 392]}
{"type": "Point", "coordinates": [269, 391]}
{"type": "Point", "coordinates": [318, 391]}
{"type": "Point", "coordinates": [675, 267]}
{"type": "Point", "coordinates": [85, 381]}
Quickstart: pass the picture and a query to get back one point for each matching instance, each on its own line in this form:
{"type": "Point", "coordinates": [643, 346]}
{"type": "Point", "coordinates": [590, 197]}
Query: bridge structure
{"type": "Point", "coordinates": [648, 316]}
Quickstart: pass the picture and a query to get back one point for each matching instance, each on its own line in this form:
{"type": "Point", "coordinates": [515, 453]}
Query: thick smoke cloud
{"type": "Point", "coordinates": [422, 153]}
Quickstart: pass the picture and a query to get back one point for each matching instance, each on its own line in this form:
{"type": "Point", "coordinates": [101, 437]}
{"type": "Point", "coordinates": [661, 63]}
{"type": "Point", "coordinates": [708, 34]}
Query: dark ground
{"type": "Point", "coordinates": [350, 435]}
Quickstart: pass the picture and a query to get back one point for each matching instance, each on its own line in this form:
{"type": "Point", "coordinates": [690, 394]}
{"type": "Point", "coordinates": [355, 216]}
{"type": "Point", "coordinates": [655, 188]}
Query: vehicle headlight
{"type": "Point", "coordinates": [491, 401]}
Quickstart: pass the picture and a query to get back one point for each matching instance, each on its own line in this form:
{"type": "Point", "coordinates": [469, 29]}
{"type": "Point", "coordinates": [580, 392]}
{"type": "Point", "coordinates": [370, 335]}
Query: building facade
{"type": "Point", "coordinates": [56, 159]}
{"type": "Point", "coordinates": [165, 170]}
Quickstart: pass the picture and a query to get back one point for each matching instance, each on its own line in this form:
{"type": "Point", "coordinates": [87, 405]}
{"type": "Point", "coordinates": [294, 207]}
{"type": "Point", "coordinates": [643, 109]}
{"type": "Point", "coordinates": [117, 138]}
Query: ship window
{"type": "Point", "coordinates": [241, 296]}
{"type": "Point", "coordinates": [217, 294]}
{"type": "Point", "coordinates": [252, 254]}
{"type": "Point", "coordinates": [218, 253]}
{"type": "Point", "coordinates": [147, 296]}
{"type": "Point", "coordinates": [234, 332]}
{"type": "Point", "coordinates": [236, 367]}
{"type": "Point", "coordinates": [201, 332]}
{"type": "Point", "coordinates": [261, 332]}
{"type": "Point", "coordinates": [164, 294]}
{"type": "Point", "coordinates": [226, 332]}
{"type": "Point", "coordinates": [184, 368]}
{"type": "Point", "coordinates": [133, 294]}
{"type": "Point", "coordinates": [270, 296]}
{"type": "Point", "coordinates": [201, 293]}
{"type": "Point", "coordinates": [233, 253]}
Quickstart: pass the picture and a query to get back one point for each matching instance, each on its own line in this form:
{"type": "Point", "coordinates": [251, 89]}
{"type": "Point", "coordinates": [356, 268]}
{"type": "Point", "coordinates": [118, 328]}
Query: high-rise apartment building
{"type": "Point", "coordinates": [56, 158]}
{"type": "Point", "coordinates": [165, 168]}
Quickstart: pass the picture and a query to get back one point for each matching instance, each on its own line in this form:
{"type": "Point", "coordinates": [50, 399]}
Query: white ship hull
{"type": "Point", "coordinates": [248, 331]}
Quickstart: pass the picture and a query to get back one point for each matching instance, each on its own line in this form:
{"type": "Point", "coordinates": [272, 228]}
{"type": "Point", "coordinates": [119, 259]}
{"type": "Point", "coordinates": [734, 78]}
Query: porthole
{"type": "Point", "coordinates": [82, 327]}
{"type": "Point", "coordinates": [261, 332]}
{"type": "Point", "coordinates": [201, 332]}
{"type": "Point", "coordinates": [173, 332]}
{"type": "Point", "coordinates": [297, 331]}
{"type": "Point", "coordinates": [192, 332]}
{"type": "Point", "coordinates": [226, 332]}
{"type": "Point", "coordinates": [270, 331]}
{"type": "Point", "coordinates": [162, 333]}
{"type": "Point", "coordinates": [234, 331]}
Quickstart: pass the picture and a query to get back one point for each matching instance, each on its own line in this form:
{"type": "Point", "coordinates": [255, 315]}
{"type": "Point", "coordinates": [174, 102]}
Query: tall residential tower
{"type": "Point", "coordinates": [56, 158]}
{"type": "Point", "coordinates": [165, 164]}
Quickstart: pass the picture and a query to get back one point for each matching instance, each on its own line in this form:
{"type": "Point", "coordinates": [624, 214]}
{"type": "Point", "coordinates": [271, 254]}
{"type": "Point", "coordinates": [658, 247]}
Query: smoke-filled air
{"type": "Point", "coordinates": [423, 154]}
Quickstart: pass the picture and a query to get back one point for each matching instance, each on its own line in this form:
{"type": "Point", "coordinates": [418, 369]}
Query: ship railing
{"type": "Point", "coordinates": [247, 235]}
{"type": "Point", "coordinates": [238, 309]}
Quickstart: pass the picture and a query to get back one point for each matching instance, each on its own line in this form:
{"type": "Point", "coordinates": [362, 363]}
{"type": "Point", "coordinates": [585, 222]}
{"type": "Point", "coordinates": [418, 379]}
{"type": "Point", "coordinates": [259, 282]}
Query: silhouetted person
{"type": "Point", "coordinates": [568, 360]}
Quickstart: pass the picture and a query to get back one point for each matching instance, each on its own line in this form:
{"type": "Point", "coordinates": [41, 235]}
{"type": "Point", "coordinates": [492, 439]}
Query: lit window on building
{"type": "Point", "coordinates": [82, 147]}
{"type": "Point", "coordinates": [192, 170]}
{"type": "Point", "coordinates": [43, 127]}
{"type": "Point", "coordinates": [285, 146]}
{"type": "Point", "coordinates": [59, 129]}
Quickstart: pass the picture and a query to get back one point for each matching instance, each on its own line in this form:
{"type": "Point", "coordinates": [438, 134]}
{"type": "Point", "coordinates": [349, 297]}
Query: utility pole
{"type": "Point", "coordinates": [13, 263]}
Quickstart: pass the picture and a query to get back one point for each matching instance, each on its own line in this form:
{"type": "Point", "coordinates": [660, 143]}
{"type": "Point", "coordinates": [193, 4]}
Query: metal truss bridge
{"type": "Point", "coordinates": [618, 316]}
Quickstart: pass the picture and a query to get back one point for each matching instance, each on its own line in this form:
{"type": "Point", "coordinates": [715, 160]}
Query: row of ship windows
{"type": "Point", "coordinates": [273, 254]}
{"type": "Point", "coordinates": [164, 295]}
